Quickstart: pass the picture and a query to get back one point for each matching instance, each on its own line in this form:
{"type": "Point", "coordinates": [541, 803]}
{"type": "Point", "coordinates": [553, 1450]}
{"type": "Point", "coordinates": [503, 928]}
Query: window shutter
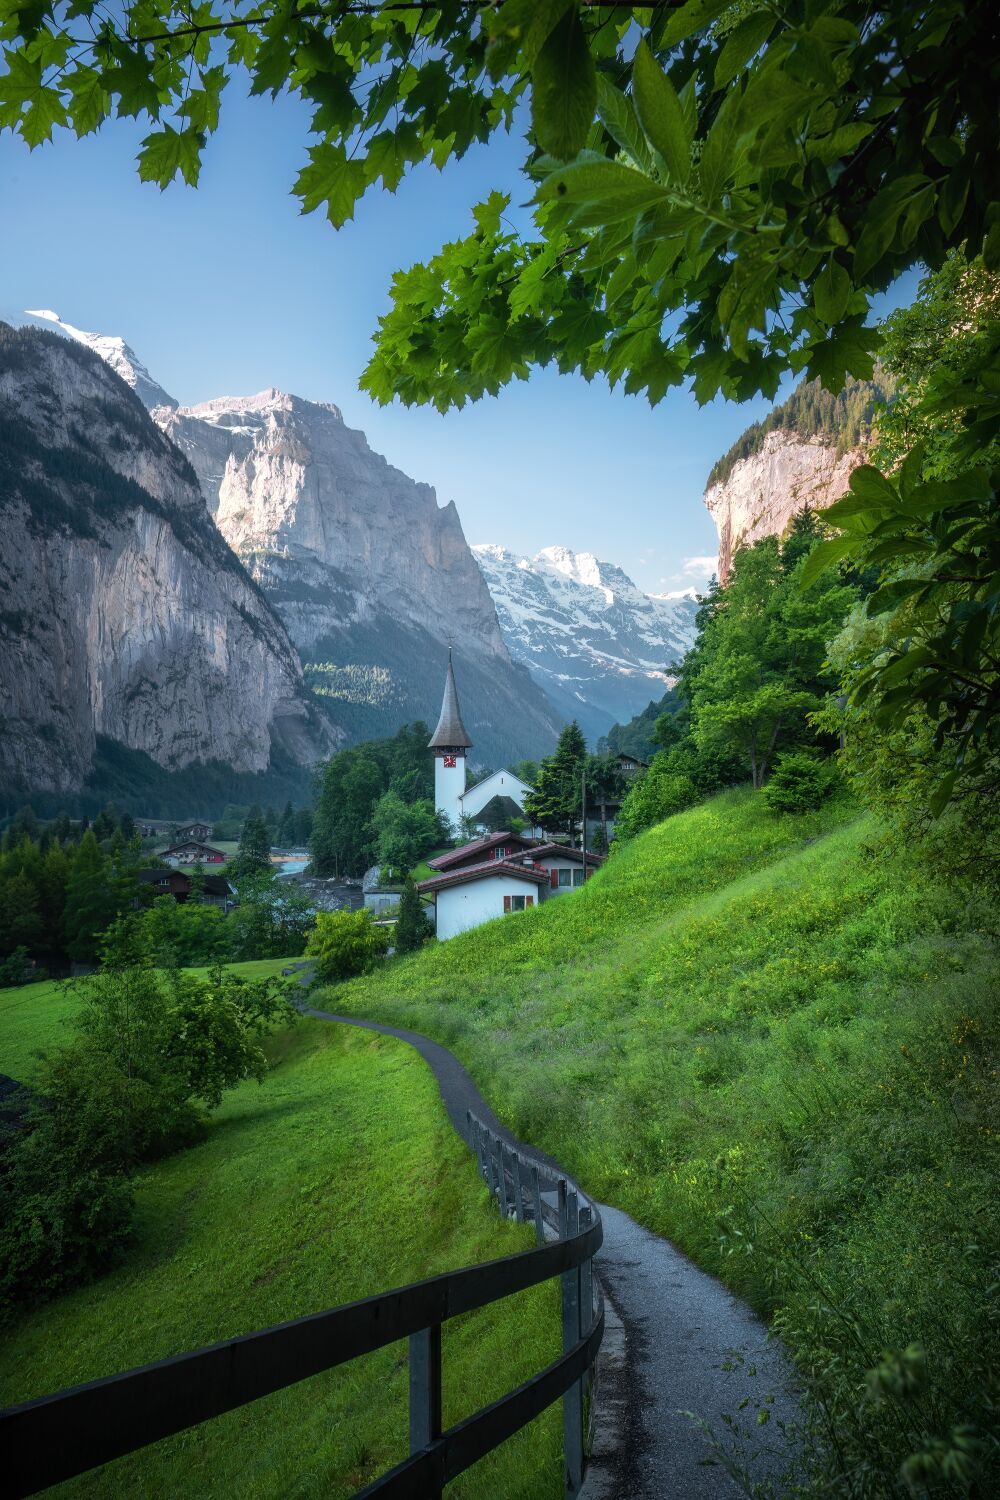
{"type": "Point", "coordinates": [554, 877]}
{"type": "Point", "coordinates": [506, 903]}
{"type": "Point", "coordinates": [529, 900]}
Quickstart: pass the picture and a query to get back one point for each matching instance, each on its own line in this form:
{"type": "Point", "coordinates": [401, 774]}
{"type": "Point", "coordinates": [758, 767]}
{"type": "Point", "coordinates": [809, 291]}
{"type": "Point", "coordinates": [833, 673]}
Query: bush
{"type": "Point", "coordinates": [800, 782]}
{"type": "Point", "coordinates": [412, 927]}
{"type": "Point", "coordinates": [16, 968]}
{"type": "Point", "coordinates": [345, 944]}
{"type": "Point", "coordinates": [659, 794]}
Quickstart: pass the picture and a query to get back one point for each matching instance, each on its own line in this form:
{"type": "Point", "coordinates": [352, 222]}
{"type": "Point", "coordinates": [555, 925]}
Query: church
{"type": "Point", "coordinates": [450, 743]}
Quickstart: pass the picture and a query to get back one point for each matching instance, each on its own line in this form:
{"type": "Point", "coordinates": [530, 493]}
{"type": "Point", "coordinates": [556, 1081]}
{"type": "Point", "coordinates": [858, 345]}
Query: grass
{"type": "Point", "coordinates": [34, 1018]}
{"type": "Point", "coordinates": [780, 1050]}
{"type": "Point", "coordinates": [338, 1177]}
{"type": "Point", "coordinates": [423, 870]}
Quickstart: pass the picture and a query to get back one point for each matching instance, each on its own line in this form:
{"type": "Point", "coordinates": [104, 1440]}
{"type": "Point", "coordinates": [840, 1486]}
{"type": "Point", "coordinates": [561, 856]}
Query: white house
{"type": "Point", "coordinates": [477, 893]}
{"type": "Point", "coordinates": [450, 741]}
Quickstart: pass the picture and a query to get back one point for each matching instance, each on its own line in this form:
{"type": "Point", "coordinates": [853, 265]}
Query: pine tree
{"type": "Point", "coordinates": [90, 903]}
{"type": "Point", "coordinates": [254, 853]}
{"type": "Point", "coordinates": [412, 928]}
{"type": "Point", "coordinates": [555, 802]}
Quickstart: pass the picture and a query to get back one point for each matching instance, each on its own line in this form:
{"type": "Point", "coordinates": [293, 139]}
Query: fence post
{"type": "Point", "coordinates": [515, 1163]}
{"type": "Point", "coordinates": [425, 1391]}
{"type": "Point", "coordinates": [480, 1150]}
{"type": "Point", "coordinates": [536, 1195]}
{"type": "Point", "coordinates": [569, 1224]}
{"type": "Point", "coordinates": [504, 1202]}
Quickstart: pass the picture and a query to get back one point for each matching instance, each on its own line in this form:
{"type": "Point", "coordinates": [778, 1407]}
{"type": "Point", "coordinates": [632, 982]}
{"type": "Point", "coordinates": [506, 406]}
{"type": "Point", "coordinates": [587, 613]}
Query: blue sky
{"type": "Point", "coordinates": [228, 289]}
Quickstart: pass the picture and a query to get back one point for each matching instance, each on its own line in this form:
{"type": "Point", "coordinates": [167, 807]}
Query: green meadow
{"type": "Point", "coordinates": [338, 1177]}
{"type": "Point", "coordinates": [776, 1047]}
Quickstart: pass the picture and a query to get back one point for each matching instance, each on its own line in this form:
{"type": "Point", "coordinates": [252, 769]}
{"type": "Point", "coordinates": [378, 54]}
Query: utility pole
{"type": "Point", "coordinates": [583, 830]}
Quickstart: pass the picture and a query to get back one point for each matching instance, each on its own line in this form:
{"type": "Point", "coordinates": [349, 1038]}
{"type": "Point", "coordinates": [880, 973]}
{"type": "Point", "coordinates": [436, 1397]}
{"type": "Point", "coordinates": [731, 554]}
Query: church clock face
{"type": "Point", "coordinates": [450, 761]}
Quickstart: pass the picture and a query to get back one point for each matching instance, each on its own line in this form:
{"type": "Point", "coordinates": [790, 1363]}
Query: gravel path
{"type": "Point", "coordinates": [677, 1342]}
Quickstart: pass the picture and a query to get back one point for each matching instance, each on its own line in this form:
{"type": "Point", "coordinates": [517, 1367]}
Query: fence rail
{"type": "Point", "coordinates": [56, 1437]}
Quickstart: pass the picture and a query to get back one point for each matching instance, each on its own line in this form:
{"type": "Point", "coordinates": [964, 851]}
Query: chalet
{"type": "Point", "coordinates": [565, 865]}
{"type": "Point", "coordinates": [630, 765]}
{"type": "Point", "coordinates": [505, 872]}
{"type": "Point", "coordinates": [192, 852]}
{"type": "Point", "coordinates": [215, 889]}
{"type": "Point", "coordinates": [199, 832]}
{"type": "Point", "coordinates": [473, 894]}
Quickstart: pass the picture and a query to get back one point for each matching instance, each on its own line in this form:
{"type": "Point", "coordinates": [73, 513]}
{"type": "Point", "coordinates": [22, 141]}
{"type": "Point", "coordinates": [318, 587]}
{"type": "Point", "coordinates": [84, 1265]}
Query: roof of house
{"type": "Point", "coordinates": [477, 846]}
{"type": "Point", "coordinates": [214, 885]}
{"type": "Point", "coordinates": [483, 872]}
{"type": "Point", "coordinates": [451, 733]}
{"type": "Point", "coordinates": [192, 844]}
{"type": "Point", "coordinates": [566, 851]}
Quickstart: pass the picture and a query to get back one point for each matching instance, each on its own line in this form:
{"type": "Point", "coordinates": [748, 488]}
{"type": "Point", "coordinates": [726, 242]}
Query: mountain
{"type": "Point", "coordinates": [589, 636]}
{"type": "Point", "coordinates": [371, 576]}
{"type": "Point", "coordinates": [116, 353]}
{"type": "Point", "coordinates": [799, 457]}
{"type": "Point", "coordinates": [124, 614]}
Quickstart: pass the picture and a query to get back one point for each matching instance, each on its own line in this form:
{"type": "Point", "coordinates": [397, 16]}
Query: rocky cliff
{"type": "Point", "coordinates": [122, 611]}
{"type": "Point", "coordinates": [800, 457]}
{"type": "Point", "coordinates": [591, 638]}
{"type": "Point", "coordinates": [371, 576]}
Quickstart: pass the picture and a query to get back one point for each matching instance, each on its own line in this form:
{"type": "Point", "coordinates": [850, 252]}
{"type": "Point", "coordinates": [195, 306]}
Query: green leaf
{"type": "Point", "coordinates": [941, 795]}
{"type": "Point", "coordinates": [831, 292]}
{"type": "Point", "coordinates": [849, 352]}
{"type": "Point", "coordinates": [741, 44]}
{"type": "Point", "coordinates": [614, 190]}
{"type": "Point", "coordinates": [333, 180]}
{"type": "Point", "coordinates": [564, 89]}
{"type": "Point", "coordinates": [168, 152]}
{"type": "Point", "coordinates": [824, 556]}
{"type": "Point", "coordinates": [678, 25]}
{"type": "Point", "coordinates": [871, 484]}
{"type": "Point", "coordinates": [893, 594]}
{"type": "Point", "coordinates": [89, 106]}
{"type": "Point", "coordinates": [661, 114]}
{"type": "Point", "coordinates": [616, 113]}
{"type": "Point", "coordinates": [724, 151]}
{"type": "Point", "coordinates": [45, 111]}
{"type": "Point", "coordinates": [520, 28]}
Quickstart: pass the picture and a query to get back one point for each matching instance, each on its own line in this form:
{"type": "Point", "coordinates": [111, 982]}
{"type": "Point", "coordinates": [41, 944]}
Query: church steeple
{"type": "Point", "coordinates": [451, 733]}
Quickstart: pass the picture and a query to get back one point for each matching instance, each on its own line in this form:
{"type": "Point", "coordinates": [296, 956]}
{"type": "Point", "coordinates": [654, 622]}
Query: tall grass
{"type": "Point", "coordinates": [781, 1051]}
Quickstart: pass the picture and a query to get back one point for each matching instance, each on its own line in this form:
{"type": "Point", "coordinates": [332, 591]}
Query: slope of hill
{"type": "Point", "coordinates": [338, 1177]}
{"type": "Point", "coordinates": [780, 1051]}
{"type": "Point", "coordinates": [594, 641]}
{"type": "Point", "coordinates": [124, 613]}
{"type": "Point", "coordinates": [799, 457]}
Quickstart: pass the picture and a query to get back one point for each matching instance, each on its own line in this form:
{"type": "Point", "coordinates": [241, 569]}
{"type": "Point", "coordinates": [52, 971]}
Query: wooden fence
{"type": "Point", "coordinates": [56, 1437]}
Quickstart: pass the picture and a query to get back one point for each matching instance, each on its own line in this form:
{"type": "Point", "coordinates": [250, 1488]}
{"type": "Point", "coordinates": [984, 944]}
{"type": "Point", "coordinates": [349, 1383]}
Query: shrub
{"type": "Point", "coordinates": [800, 782]}
{"type": "Point", "coordinates": [16, 969]}
{"type": "Point", "coordinates": [659, 794]}
{"type": "Point", "coordinates": [345, 943]}
{"type": "Point", "coordinates": [412, 927]}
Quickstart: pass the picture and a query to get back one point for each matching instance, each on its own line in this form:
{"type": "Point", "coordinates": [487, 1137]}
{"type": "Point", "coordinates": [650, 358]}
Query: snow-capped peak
{"type": "Point", "coordinates": [587, 633]}
{"type": "Point", "coordinates": [116, 353]}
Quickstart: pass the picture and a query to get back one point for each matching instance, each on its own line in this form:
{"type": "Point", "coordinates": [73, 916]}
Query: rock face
{"type": "Point", "coordinates": [594, 641]}
{"type": "Point", "coordinates": [370, 575]}
{"type": "Point", "coordinates": [763, 492]}
{"type": "Point", "coordinates": [124, 613]}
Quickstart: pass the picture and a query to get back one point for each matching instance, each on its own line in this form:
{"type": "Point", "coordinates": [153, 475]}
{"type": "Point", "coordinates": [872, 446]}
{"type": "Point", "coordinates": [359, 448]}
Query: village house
{"type": "Point", "coordinates": [192, 852]}
{"type": "Point", "coordinates": [215, 889]}
{"type": "Point", "coordinates": [200, 832]}
{"type": "Point", "coordinates": [505, 872]}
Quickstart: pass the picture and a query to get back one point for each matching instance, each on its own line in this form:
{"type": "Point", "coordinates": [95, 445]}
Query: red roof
{"type": "Point", "coordinates": [478, 846]}
{"type": "Point", "coordinates": [564, 851]}
{"type": "Point", "coordinates": [483, 872]}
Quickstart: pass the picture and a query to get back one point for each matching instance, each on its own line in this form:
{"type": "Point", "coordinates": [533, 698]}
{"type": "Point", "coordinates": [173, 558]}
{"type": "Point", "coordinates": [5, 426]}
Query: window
{"type": "Point", "coordinates": [517, 903]}
{"type": "Point", "coordinates": [578, 877]}
{"type": "Point", "coordinates": [565, 877]}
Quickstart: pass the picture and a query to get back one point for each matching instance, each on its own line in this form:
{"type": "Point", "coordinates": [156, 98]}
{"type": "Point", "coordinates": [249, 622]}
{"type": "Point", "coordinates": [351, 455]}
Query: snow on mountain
{"type": "Point", "coordinates": [596, 643]}
{"type": "Point", "coordinates": [116, 353]}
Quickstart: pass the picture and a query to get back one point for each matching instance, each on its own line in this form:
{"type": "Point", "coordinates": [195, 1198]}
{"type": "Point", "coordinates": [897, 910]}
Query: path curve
{"type": "Point", "coordinates": [680, 1343]}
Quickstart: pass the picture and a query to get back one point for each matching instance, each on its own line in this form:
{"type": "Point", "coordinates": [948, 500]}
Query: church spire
{"type": "Point", "coordinates": [451, 733]}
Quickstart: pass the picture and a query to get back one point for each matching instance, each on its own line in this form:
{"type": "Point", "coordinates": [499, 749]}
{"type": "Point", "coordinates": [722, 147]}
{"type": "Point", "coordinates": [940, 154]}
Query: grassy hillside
{"type": "Point", "coordinates": [767, 1043]}
{"type": "Point", "coordinates": [338, 1177]}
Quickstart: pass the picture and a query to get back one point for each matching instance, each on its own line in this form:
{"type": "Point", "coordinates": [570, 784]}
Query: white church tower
{"type": "Point", "coordinates": [449, 742]}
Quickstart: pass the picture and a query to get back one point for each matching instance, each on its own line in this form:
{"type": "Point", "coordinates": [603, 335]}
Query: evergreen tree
{"type": "Point", "coordinates": [90, 901]}
{"type": "Point", "coordinates": [254, 853]}
{"type": "Point", "coordinates": [412, 927]}
{"type": "Point", "coordinates": [555, 802]}
{"type": "Point", "coordinates": [286, 825]}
